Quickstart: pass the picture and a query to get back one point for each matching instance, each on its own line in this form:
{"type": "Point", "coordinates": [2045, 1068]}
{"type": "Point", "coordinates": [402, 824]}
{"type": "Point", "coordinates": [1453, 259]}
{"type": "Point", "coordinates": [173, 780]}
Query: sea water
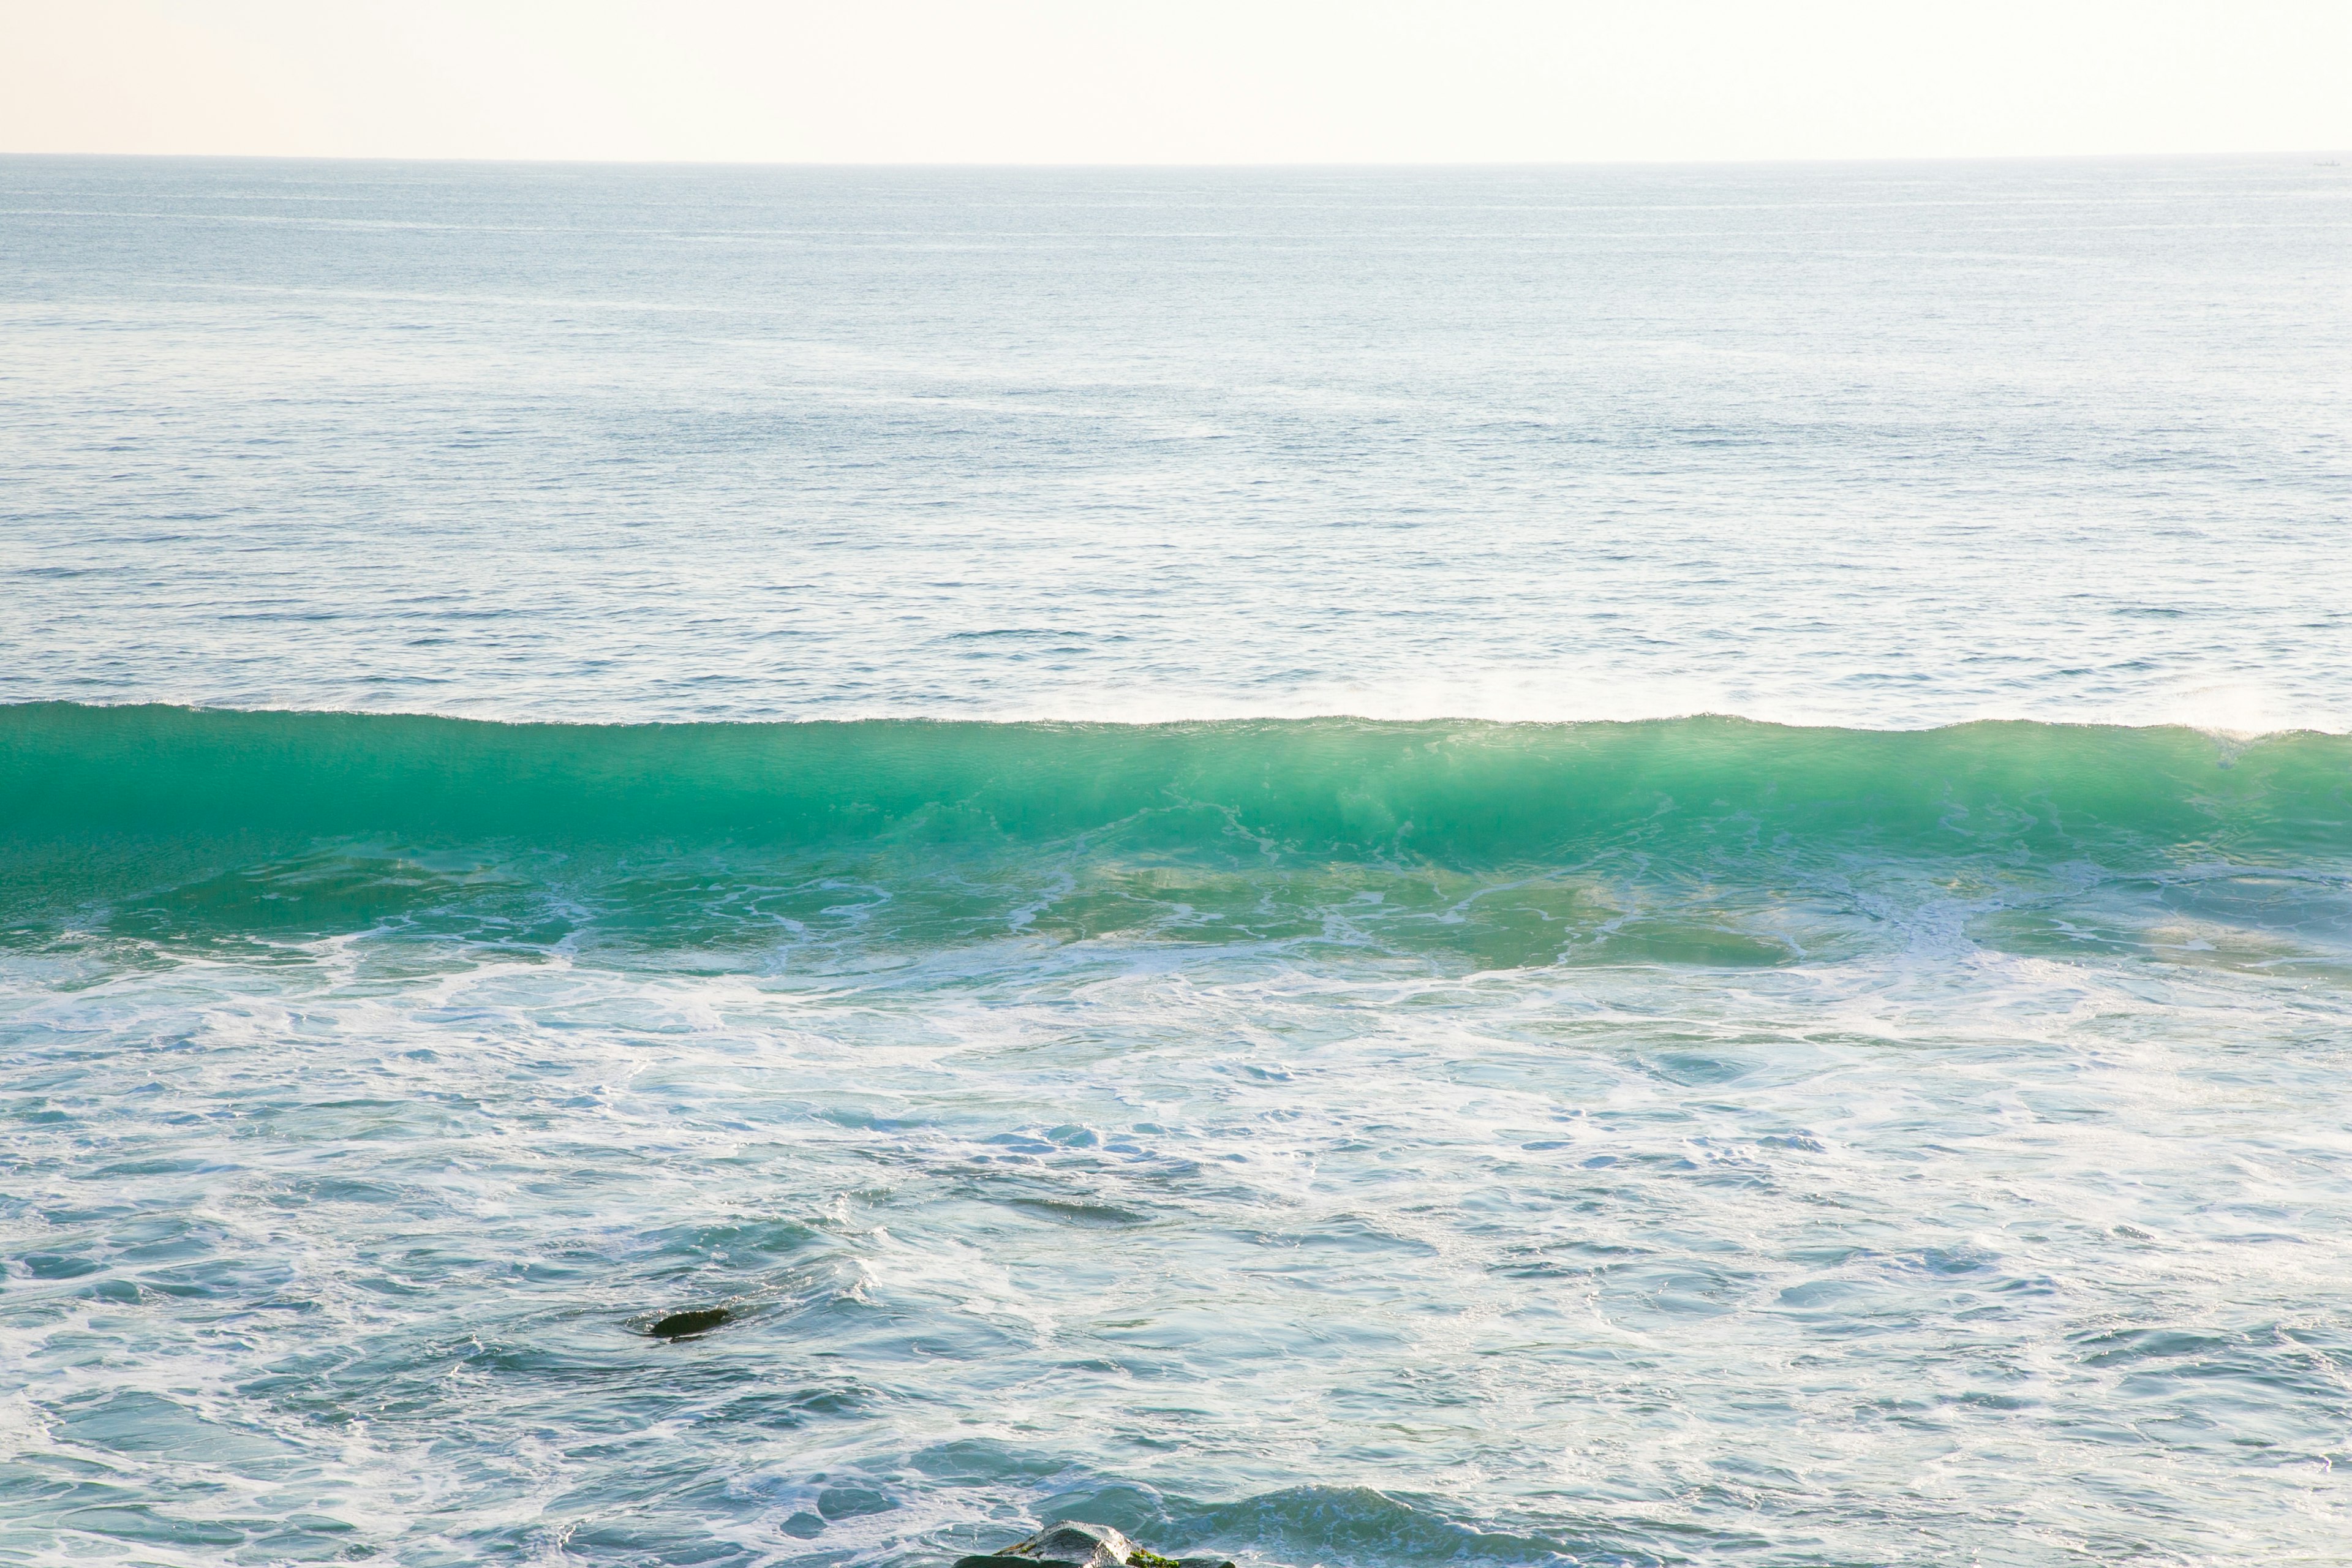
{"type": "Point", "coordinates": [1364, 868]}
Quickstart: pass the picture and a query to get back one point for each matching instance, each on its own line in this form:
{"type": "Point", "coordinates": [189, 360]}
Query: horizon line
{"type": "Point", "coordinates": [2332, 157]}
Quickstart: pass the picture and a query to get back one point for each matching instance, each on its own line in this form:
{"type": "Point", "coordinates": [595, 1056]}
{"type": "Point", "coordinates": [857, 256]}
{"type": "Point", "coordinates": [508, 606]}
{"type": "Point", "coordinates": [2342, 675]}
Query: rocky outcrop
{"type": "Point", "coordinates": [1074, 1543]}
{"type": "Point", "coordinates": [686, 1325]}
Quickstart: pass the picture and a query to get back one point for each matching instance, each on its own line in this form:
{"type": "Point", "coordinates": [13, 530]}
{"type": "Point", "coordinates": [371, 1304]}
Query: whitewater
{"type": "Point", "coordinates": [1356, 868]}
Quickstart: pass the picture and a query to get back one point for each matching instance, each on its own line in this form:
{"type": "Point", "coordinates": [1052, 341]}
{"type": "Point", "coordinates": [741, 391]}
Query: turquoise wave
{"type": "Point", "coordinates": [224, 819]}
{"type": "Point", "coordinates": [1453, 792]}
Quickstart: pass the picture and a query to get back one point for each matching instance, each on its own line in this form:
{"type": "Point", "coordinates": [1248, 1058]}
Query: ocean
{"type": "Point", "coordinates": [1353, 868]}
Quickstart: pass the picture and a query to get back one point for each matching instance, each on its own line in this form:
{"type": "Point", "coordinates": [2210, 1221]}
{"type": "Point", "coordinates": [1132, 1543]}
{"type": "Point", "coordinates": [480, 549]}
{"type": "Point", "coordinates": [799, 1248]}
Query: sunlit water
{"type": "Point", "coordinates": [1884, 445]}
{"type": "Point", "coordinates": [1367, 1145]}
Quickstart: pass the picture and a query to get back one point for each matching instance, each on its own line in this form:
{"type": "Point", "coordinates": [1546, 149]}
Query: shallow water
{"type": "Point", "coordinates": [1319, 1140]}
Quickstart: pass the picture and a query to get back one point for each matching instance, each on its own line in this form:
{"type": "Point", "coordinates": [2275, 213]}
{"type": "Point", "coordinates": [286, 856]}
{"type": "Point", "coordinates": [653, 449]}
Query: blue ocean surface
{"type": "Point", "coordinates": [1347, 868]}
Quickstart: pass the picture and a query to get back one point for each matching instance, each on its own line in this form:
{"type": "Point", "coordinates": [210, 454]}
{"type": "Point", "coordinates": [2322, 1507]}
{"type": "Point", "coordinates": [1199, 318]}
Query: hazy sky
{"type": "Point", "coordinates": [1173, 80]}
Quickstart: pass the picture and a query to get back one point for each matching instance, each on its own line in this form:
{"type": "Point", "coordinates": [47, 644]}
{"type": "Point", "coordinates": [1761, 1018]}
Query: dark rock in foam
{"type": "Point", "coordinates": [686, 1325]}
{"type": "Point", "coordinates": [1074, 1543]}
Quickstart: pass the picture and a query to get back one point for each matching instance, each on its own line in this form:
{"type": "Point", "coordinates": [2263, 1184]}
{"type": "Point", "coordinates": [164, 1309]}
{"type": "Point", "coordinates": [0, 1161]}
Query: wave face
{"type": "Point", "coordinates": [1704, 839]}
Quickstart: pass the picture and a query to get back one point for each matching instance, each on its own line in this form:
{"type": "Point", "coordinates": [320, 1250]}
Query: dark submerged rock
{"type": "Point", "coordinates": [1074, 1543]}
{"type": "Point", "coordinates": [686, 1325]}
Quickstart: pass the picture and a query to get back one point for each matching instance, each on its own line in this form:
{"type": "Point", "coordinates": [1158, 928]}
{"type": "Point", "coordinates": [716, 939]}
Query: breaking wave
{"type": "Point", "coordinates": [1707, 839]}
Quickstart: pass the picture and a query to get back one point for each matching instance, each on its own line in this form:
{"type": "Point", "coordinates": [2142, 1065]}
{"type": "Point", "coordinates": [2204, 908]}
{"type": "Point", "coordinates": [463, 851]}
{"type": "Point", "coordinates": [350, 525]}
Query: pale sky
{"type": "Point", "coordinates": [1186, 82]}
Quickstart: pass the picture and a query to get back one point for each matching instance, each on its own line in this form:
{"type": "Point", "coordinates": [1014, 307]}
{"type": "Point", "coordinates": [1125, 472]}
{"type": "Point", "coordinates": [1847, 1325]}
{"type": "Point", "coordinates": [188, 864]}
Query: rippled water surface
{"type": "Point", "coordinates": [1876, 445]}
{"type": "Point", "coordinates": [1511, 1121]}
